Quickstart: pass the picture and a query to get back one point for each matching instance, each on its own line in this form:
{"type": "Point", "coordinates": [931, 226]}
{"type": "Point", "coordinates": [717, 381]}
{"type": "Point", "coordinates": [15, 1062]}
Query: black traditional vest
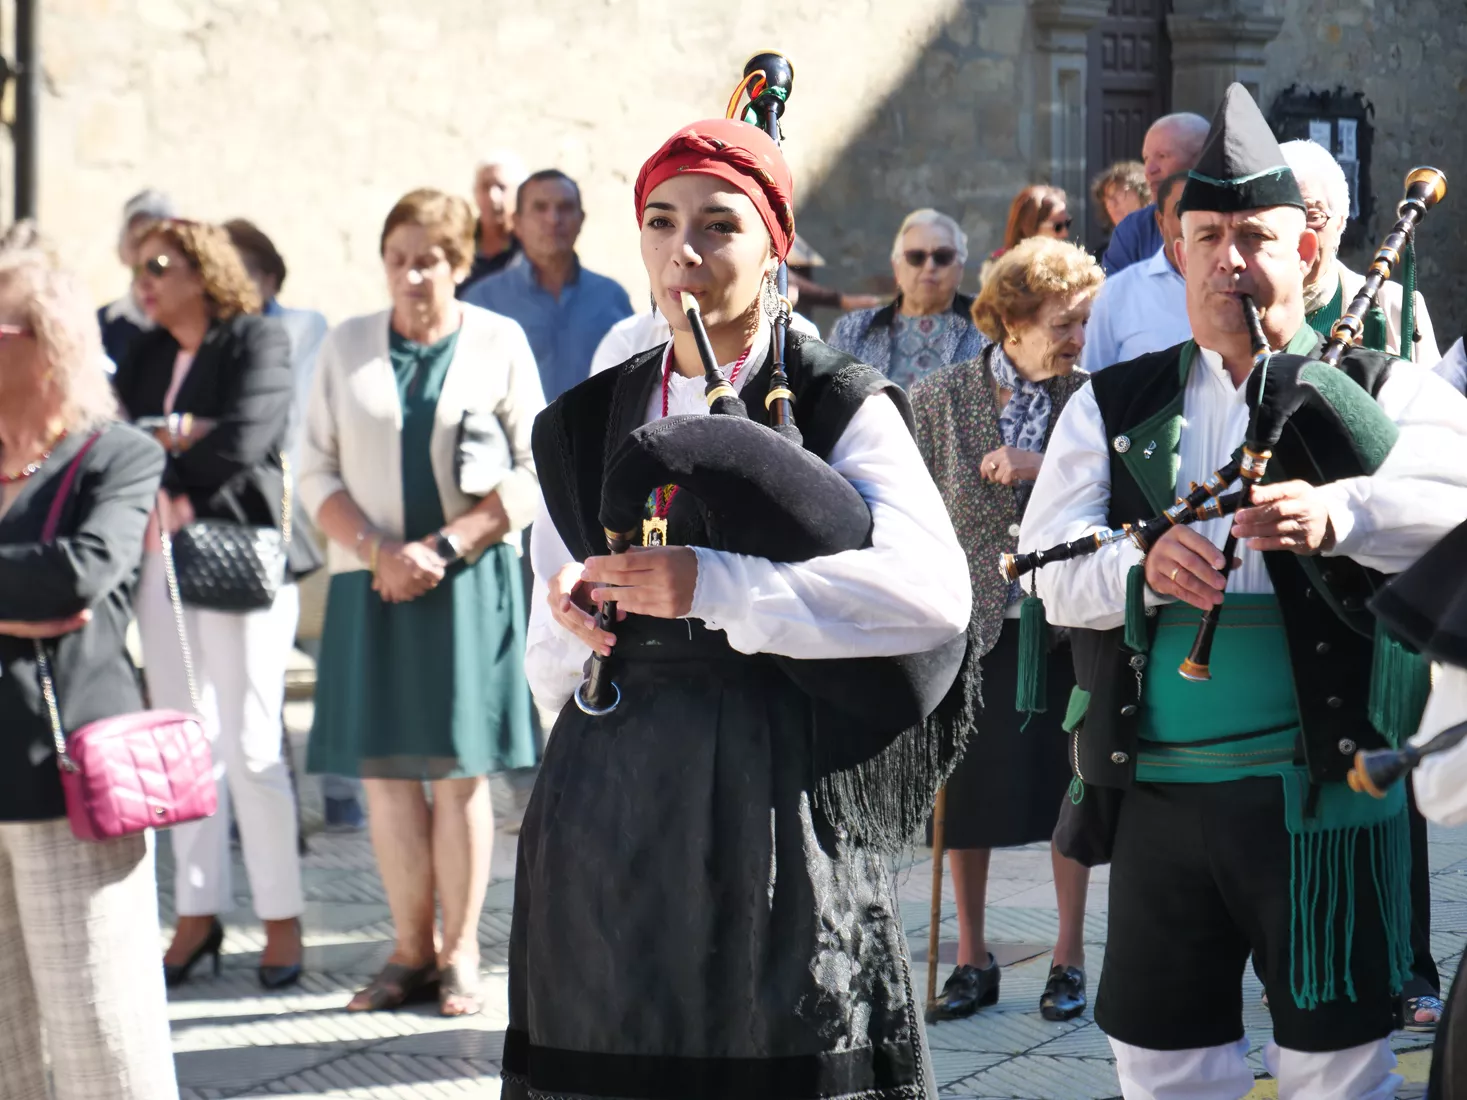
{"type": "Point", "coordinates": [880, 757]}
{"type": "Point", "coordinates": [1330, 632]}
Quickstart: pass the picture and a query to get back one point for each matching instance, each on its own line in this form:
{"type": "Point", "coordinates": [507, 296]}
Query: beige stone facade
{"type": "Point", "coordinates": [311, 116]}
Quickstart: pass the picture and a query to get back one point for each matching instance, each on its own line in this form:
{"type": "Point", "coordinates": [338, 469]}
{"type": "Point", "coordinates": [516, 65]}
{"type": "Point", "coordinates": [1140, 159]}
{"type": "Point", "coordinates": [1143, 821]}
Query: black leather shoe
{"type": "Point", "coordinates": [280, 977]}
{"type": "Point", "coordinates": [967, 990]}
{"type": "Point", "coordinates": [175, 974]}
{"type": "Point", "coordinates": [1064, 994]}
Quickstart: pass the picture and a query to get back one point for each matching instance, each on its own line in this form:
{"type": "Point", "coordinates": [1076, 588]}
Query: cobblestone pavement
{"type": "Point", "coordinates": [233, 1040]}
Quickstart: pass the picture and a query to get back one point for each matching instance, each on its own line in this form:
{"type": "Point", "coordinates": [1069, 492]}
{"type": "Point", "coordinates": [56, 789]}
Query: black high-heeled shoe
{"type": "Point", "coordinates": [280, 977]}
{"type": "Point", "coordinates": [175, 974]}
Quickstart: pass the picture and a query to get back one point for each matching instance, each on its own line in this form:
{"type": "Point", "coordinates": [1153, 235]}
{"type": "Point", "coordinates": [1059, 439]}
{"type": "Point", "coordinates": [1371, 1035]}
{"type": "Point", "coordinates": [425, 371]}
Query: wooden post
{"type": "Point", "coordinates": [934, 936]}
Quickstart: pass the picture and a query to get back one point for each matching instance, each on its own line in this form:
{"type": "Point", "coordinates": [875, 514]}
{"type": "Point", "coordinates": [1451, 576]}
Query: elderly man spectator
{"type": "Point", "coordinates": [1172, 144]}
{"type": "Point", "coordinates": [1120, 190]}
{"type": "Point", "coordinates": [930, 324]}
{"type": "Point", "coordinates": [1330, 285]}
{"type": "Point", "coordinates": [123, 321]}
{"type": "Point", "coordinates": [564, 309]}
{"type": "Point", "coordinates": [496, 179]}
{"type": "Point", "coordinates": [1144, 308]}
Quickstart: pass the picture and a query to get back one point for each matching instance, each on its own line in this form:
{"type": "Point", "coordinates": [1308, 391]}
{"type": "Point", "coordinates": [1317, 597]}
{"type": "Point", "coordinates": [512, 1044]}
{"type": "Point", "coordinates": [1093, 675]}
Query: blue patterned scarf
{"type": "Point", "coordinates": [1024, 420]}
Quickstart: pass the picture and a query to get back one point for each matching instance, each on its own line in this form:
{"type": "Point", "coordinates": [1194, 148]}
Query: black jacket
{"type": "Point", "coordinates": [241, 378]}
{"type": "Point", "coordinates": [93, 563]}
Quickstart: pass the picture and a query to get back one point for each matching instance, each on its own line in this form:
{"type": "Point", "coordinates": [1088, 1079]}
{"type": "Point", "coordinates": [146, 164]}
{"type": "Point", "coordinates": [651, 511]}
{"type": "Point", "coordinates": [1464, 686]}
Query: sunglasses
{"type": "Point", "coordinates": [942, 257]}
{"type": "Point", "coordinates": [157, 267]}
{"type": "Point", "coordinates": [1063, 226]}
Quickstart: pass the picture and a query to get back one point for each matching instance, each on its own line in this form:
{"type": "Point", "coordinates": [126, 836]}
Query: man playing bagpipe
{"type": "Point", "coordinates": [1221, 803]}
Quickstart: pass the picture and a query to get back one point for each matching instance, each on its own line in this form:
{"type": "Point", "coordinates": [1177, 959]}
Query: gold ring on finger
{"type": "Point", "coordinates": [1173, 577]}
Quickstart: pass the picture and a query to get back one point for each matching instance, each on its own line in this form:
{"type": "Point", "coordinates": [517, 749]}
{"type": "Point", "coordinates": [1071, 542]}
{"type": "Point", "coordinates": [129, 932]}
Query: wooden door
{"type": "Point", "coordinates": [1130, 88]}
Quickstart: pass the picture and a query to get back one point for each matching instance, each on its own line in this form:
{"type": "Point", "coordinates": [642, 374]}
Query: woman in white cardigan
{"type": "Point", "coordinates": [421, 673]}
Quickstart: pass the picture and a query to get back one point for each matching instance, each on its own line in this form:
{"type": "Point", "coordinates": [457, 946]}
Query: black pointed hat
{"type": "Point", "coordinates": [1242, 167]}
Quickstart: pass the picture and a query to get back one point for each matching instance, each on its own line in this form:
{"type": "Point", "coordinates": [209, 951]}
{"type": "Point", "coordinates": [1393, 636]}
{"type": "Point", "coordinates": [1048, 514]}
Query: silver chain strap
{"type": "Point", "coordinates": [48, 684]}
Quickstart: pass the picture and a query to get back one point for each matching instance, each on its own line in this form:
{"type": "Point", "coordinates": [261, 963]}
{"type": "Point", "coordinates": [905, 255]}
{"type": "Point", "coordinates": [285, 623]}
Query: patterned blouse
{"type": "Point", "coordinates": [917, 347]}
{"type": "Point", "coordinates": [958, 422]}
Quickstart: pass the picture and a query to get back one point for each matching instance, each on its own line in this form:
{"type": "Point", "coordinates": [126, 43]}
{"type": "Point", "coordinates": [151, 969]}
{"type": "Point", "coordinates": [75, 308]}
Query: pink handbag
{"type": "Point", "coordinates": [132, 772]}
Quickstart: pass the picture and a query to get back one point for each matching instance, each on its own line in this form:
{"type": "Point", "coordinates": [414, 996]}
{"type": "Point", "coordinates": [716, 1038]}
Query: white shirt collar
{"type": "Point", "coordinates": [1159, 266]}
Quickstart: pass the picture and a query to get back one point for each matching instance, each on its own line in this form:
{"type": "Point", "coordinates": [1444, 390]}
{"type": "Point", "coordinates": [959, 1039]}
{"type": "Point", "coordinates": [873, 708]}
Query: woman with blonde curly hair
{"type": "Point", "coordinates": [83, 1002]}
{"type": "Point", "coordinates": [982, 427]}
{"type": "Point", "coordinates": [215, 377]}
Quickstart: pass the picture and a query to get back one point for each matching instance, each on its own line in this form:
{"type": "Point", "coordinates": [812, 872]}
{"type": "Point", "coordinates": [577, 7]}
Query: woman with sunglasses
{"type": "Point", "coordinates": [221, 367]}
{"type": "Point", "coordinates": [1037, 211]}
{"type": "Point", "coordinates": [928, 325]}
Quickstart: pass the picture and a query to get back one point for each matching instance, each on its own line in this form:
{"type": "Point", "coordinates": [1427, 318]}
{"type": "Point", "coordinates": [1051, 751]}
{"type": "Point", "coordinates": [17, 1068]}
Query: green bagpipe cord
{"type": "Point", "coordinates": [1408, 299]}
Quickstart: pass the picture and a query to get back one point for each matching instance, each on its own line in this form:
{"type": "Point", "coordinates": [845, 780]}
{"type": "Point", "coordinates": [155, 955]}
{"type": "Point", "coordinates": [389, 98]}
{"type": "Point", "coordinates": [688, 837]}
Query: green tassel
{"type": "Point", "coordinates": [1373, 334]}
{"type": "Point", "coordinates": [1408, 300]}
{"type": "Point", "coordinates": [1033, 657]}
{"type": "Point", "coordinates": [1077, 790]}
{"type": "Point", "coordinates": [1136, 638]}
{"type": "Point", "coordinates": [1400, 681]}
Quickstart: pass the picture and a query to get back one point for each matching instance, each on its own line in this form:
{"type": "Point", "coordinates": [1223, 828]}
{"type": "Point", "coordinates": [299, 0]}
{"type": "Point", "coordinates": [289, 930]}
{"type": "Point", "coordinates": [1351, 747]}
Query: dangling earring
{"type": "Point", "coordinates": [769, 298]}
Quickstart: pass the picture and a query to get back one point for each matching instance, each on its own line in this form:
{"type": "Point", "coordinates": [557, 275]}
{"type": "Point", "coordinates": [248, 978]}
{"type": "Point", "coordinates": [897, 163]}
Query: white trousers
{"type": "Point", "coordinates": [1222, 1073]}
{"type": "Point", "coordinates": [80, 981]}
{"type": "Point", "coordinates": [239, 667]}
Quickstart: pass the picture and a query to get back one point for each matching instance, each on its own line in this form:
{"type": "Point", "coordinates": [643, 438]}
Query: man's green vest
{"type": "Point", "coordinates": [1331, 636]}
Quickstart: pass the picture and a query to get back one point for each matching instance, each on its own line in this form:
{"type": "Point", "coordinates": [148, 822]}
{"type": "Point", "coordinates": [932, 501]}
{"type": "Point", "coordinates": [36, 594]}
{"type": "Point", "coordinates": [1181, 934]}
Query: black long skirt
{"type": "Point", "coordinates": [686, 924]}
{"type": "Point", "coordinates": [1009, 784]}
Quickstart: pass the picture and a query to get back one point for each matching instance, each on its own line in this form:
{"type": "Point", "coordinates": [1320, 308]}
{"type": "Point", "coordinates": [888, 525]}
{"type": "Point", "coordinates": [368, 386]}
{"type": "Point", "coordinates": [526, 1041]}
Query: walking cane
{"type": "Point", "coordinates": [939, 814]}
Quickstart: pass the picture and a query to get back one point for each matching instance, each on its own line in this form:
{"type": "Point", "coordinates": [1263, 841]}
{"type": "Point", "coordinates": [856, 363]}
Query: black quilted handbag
{"type": "Point", "coordinates": [228, 566]}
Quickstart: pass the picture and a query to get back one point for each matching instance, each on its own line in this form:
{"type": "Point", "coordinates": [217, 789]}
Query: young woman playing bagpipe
{"type": "Point", "coordinates": [701, 904]}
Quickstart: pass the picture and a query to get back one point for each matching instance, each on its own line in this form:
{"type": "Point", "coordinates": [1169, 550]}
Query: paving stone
{"type": "Point", "coordinates": [951, 1066]}
{"type": "Point", "coordinates": [1051, 1078]}
{"type": "Point", "coordinates": [247, 1067]}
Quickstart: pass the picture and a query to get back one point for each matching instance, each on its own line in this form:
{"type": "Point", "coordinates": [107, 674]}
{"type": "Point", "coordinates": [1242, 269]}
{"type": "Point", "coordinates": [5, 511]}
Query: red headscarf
{"type": "Point", "coordinates": [740, 154]}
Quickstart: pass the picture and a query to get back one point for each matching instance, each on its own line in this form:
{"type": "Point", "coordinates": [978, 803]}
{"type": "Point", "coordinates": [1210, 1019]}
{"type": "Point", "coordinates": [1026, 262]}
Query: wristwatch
{"type": "Point", "coordinates": [448, 546]}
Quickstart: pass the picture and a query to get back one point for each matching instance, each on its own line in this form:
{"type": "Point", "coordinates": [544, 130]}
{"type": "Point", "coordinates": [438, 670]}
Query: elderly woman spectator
{"type": "Point", "coordinates": [421, 677]}
{"type": "Point", "coordinates": [928, 326]}
{"type": "Point", "coordinates": [1120, 190]}
{"type": "Point", "coordinates": [78, 919]}
{"type": "Point", "coordinates": [216, 375]}
{"type": "Point", "coordinates": [982, 427]}
{"type": "Point", "coordinates": [1037, 211]}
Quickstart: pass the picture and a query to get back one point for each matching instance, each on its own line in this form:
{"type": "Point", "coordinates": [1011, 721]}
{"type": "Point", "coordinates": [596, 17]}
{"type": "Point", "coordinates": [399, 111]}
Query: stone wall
{"type": "Point", "coordinates": [312, 116]}
{"type": "Point", "coordinates": [1409, 59]}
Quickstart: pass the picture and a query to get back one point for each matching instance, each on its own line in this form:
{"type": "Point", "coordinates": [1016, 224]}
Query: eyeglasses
{"type": "Point", "coordinates": [14, 332]}
{"type": "Point", "coordinates": [157, 267]}
{"type": "Point", "coordinates": [1063, 226]}
{"type": "Point", "coordinates": [942, 257]}
{"type": "Point", "coordinates": [1316, 217]}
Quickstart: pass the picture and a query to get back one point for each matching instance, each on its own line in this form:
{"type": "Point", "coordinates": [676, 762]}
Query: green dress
{"type": "Point", "coordinates": [433, 688]}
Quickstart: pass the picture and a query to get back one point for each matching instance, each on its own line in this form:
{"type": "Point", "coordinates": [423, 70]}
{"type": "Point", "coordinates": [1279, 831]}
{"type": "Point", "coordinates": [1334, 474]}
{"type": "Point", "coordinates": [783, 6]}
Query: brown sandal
{"type": "Point", "coordinates": [461, 982]}
{"type": "Point", "coordinates": [398, 984]}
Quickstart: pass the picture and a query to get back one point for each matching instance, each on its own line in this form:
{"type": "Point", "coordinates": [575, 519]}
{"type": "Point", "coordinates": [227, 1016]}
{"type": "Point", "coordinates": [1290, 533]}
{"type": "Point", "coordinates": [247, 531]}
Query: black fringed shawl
{"type": "Point", "coordinates": [875, 774]}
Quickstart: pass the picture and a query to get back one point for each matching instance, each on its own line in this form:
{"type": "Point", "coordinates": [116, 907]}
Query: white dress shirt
{"type": "Point", "coordinates": [644, 331]}
{"type": "Point", "coordinates": [1384, 521]}
{"type": "Point", "coordinates": [907, 592]}
{"type": "Point", "coordinates": [1139, 309]}
{"type": "Point", "coordinates": [1453, 366]}
{"type": "Point", "coordinates": [1441, 780]}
